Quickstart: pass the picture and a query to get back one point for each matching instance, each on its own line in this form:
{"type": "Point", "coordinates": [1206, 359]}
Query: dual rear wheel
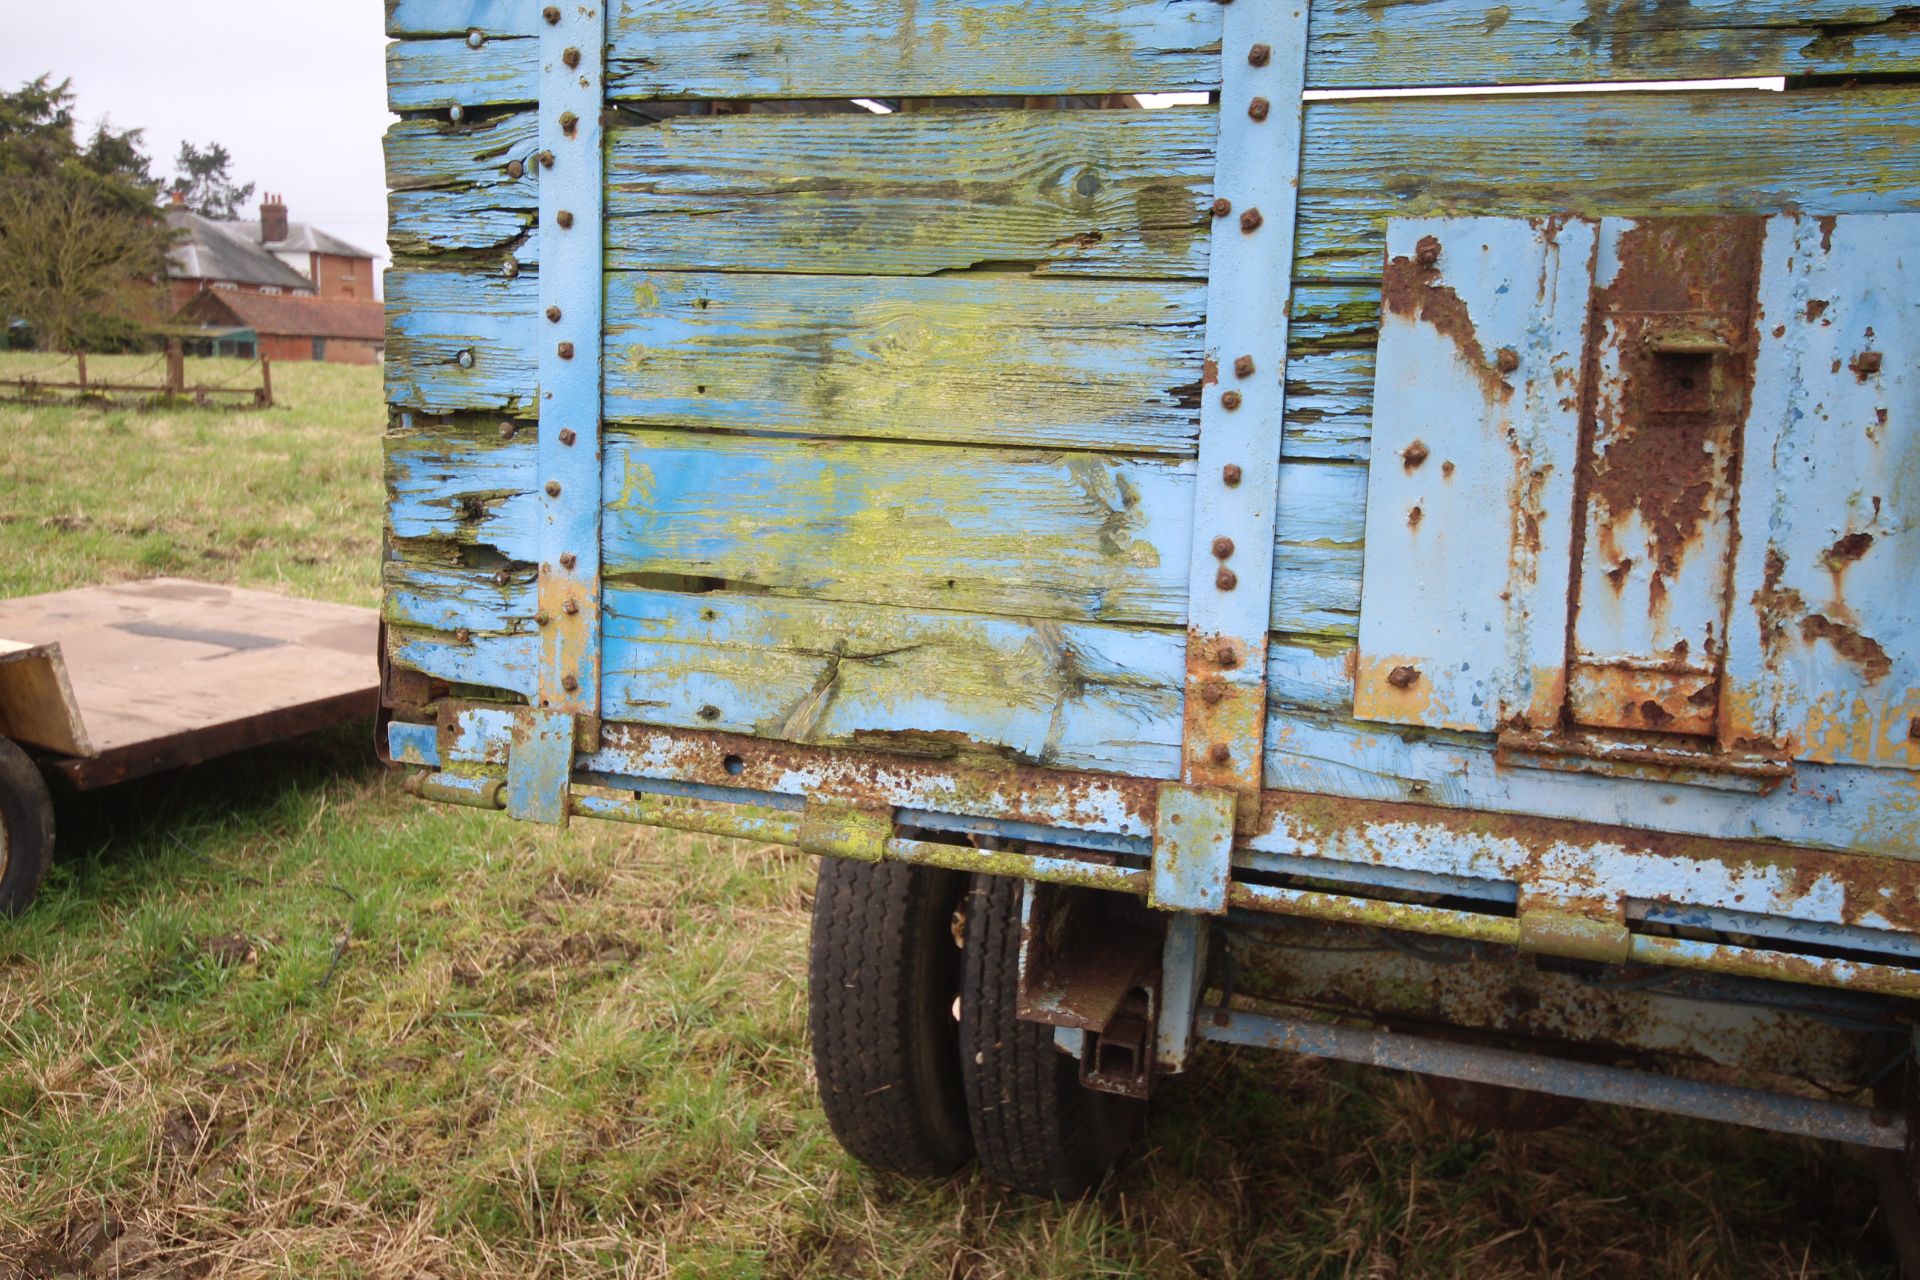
{"type": "Point", "coordinates": [921, 1058]}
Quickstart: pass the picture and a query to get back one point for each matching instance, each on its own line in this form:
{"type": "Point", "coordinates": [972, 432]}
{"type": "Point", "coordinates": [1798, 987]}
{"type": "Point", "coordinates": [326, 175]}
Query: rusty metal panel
{"type": "Point", "coordinates": [1192, 849]}
{"type": "Point", "coordinates": [1823, 659]}
{"type": "Point", "coordinates": [1463, 612]}
{"type": "Point", "coordinates": [1667, 384]}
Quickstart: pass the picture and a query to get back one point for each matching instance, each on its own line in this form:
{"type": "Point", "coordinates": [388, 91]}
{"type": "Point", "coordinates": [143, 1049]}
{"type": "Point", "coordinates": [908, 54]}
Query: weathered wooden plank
{"type": "Point", "coordinates": [947, 48]}
{"type": "Point", "coordinates": [437, 315]}
{"type": "Point", "coordinates": [753, 209]}
{"type": "Point", "coordinates": [1619, 154]}
{"type": "Point", "coordinates": [1072, 537]}
{"type": "Point", "coordinates": [1066, 192]}
{"type": "Point", "coordinates": [461, 341]}
{"type": "Point", "coordinates": [1080, 696]}
{"type": "Point", "coordinates": [992, 358]}
{"type": "Point", "coordinates": [1001, 358]}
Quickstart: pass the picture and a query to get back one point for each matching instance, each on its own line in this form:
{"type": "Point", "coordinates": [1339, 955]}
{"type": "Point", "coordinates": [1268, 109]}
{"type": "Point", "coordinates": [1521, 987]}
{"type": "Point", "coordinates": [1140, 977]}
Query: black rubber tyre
{"type": "Point", "coordinates": [1035, 1127]}
{"type": "Point", "coordinates": [26, 829]}
{"type": "Point", "coordinates": [882, 973]}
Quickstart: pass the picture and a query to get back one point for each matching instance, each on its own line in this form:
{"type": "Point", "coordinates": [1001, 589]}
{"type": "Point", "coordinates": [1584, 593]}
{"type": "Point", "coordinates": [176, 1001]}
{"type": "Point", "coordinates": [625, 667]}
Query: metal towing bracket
{"type": "Point", "coordinates": [1275, 570]}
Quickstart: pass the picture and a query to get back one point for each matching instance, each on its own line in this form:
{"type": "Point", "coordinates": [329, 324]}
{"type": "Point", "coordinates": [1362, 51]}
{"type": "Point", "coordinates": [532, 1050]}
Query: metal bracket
{"type": "Point", "coordinates": [1263, 51]}
{"type": "Point", "coordinates": [843, 831]}
{"type": "Point", "coordinates": [540, 766]}
{"type": "Point", "coordinates": [1192, 849]}
{"type": "Point", "coordinates": [571, 166]}
{"type": "Point", "coordinates": [1183, 976]}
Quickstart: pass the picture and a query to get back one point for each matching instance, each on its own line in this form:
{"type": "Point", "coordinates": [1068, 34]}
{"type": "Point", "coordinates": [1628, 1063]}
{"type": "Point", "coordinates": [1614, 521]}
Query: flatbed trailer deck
{"type": "Point", "coordinates": [116, 682]}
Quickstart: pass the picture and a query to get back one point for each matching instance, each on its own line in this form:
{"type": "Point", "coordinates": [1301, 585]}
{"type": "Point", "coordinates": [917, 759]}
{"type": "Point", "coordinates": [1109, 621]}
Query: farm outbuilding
{"type": "Point", "coordinates": [289, 327]}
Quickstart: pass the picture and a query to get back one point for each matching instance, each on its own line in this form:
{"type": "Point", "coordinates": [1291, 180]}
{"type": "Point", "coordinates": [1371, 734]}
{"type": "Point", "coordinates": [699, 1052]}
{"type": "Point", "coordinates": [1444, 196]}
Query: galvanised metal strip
{"type": "Point", "coordinates": [1811, 1118]}
{"type": "Point", "coordinates": [1243, 405]}
{"type": "Point", "coordinates": [571, 172]}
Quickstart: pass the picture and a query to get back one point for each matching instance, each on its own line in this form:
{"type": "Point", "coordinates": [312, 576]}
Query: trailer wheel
{"type": "Point", "coordinates": [883, 972]}
{"type": "Point", "coordinates": [26, 829]}
{"type": "Point", "coordinates": [1036, 1128]}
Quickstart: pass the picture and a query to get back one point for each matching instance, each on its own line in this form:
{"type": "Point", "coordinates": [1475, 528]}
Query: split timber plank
{"type": "Point", "coordinates": [955, 48]}
{"type": "Point", "coordinates": [1072, 537]}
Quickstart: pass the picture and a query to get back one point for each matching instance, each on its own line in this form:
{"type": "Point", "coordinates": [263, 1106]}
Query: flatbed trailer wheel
{"type": "Point", "coordinates": [883, 973]}
{"type": "Point", "coordinates": [26, 829]}
{"type": "Point", "coordinates": [1036, 1128]}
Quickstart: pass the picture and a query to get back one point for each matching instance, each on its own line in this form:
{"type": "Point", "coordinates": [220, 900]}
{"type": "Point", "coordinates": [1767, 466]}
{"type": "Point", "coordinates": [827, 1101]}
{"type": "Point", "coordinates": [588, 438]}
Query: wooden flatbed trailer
{"type": "Point", "coordinates": [105, 684]}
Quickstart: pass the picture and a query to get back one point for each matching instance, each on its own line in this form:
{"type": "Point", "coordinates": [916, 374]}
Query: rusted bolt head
{"type": "Point", "coordinates": [1230, 400]}
{"type": "Point", "coordinates": [1222, 547]}
{"type": "Point", "coordinates": [546, 159]}
{"type": "Point", "coordinates": [1243, 367]}
{"type": "Point", "coordinates": [566, 350]}
{"type": "Point", "coordinates": [553, 488]}
{"type": "Point", "coordinates": [1403, 677]}
{"type": "Point", "coordinates": [564, 218]}
{"type": "Point", "coordinates": [510, 267]}
{"type": "Point", "coordinates": [1507, 361]}
{"type": "Point", "coordinates": [569, 683]}
{"type": "Point", "coordinates": [571, 57]}
{"type": "Point", "coordinates": [553, 314]}
{"type": "Point", "coordinates": [552, 14]}
{"type": "Point", "coordinates": [1258, 108]}
{"type": "Point", "coordinates": [503, 576]}
{"type": "Point", "coordinates": [1221, 206]}
{"type": "Point", "coordinates": [566, 436]}
{"type": "Point", "coordinates": [1225, 655]}
{"type": "Point", "coordinates": [569, 122]}
{"type": "Point", "coordinates": [1251, 220]}
{"type": "Point", "coordinates": [1226, 579]}
{"type": "Point", "coordinates": [476, 38]}
{"type": "Point", "coordinates": [1213, 693]}
{"type": "Point", "coordinates": [1230, 475]}
{"type": "Point", "coordinates": [542, 618]}
{"type": "Point", "coordinates": [570, 608]}
{"type": "Point", "coordinates": [465, 358]}
{"type": "Point", "coordinates": [506, 431]}
{"type": "Point", "coordinates": [568, 560]}
{"type": "Point", "coordinates": [1219, 753]}
{"type": "Point", "coordinates": [463, 636]}
{"type": "Point", "coordinates": [1260, 55]}
{"type": "Point", "coordinates": [1427, 252]}
{"type": "Point", "coordinates": [516, 168]}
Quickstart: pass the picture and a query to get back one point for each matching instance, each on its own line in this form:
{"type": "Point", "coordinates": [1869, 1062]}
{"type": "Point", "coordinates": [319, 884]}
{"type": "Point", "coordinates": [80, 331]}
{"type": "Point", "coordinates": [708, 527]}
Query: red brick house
{"type": "Point", "coordinates": [288, 327]}
{"type": "Point", "coordinates": [274, 260]}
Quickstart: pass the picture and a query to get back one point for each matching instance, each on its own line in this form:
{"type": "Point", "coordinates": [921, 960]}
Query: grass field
{"type": "Point", "coordinates": [274, 1018]}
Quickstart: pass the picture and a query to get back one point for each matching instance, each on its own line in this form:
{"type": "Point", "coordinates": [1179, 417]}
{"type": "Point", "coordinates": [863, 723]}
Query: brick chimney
{"type": "Point", "coordinates": [273, 219]}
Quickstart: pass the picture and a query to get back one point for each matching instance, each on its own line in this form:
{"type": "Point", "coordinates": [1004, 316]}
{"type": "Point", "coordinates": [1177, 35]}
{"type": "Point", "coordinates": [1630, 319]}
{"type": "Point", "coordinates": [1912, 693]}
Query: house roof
{"type": "Point", "coordinates": [288, 315]}
{"type": "Point", "coordinates": [211, 250]}
{"type": "Point", "coordinates": [302, 237]}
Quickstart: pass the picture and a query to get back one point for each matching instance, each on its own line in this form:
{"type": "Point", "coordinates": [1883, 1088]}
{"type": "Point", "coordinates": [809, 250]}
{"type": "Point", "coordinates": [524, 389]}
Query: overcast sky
{"type": "Point", "coordinates": [295, 89]}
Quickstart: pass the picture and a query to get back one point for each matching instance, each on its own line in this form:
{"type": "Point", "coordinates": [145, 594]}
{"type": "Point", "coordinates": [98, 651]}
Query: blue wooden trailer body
{"type": "Point", "coordinates": [1482, 522]}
